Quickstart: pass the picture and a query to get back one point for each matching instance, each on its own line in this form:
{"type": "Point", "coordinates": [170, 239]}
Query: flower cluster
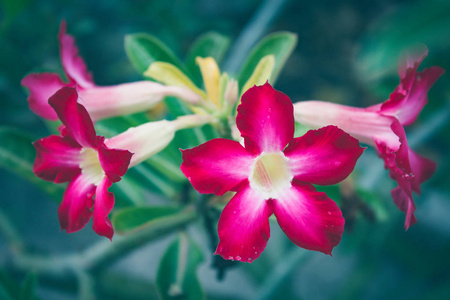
{"type": "Point", "coordinates": [100, 101]}
{"type": "Point", "coordinates": [267, 170]}
{"type": "Point", "coordinates": [91, 163]}
{"type": "Point", "coordinates": [273, 173]}
{"type": "Point", "coordinates": [381, 126]}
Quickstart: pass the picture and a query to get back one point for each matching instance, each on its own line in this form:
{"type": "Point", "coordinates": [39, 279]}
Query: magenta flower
{"type": "Point", "coordinates": [81, 158]}
{"type": "Point", "coordinates": [381, 126]}
{"type": "Point", "coordinates": [273, 174]}
{"type": "Point", "coordinates": [100, 101]}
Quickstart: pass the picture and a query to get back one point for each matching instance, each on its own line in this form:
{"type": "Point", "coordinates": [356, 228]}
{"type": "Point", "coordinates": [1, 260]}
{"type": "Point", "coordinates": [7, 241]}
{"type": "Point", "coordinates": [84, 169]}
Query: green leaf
{"type": "Point", "coordinates": [127, 191]}
{"type": "Point", "coordinates": [28, 287]}
{"type": "Point", "coordinates": [187, 138]}
{"type": "Point", "coordinates": [280, 44]}
{"type": "Point", "coordinates": [170, 74]}
{"type": "Point", "coordinates": [261, 73]}
{"type": "Point", "coordinates": [211, 44]}
{"type": "Point", "coordinates": [131, 219]}
{"type": "Point", "coordinates": [143, 50]}
{"type": "Point", "coordinates": [17, 155]}
{"type": "Point", "coordinates": [177, 272]}
{"type": "Point", "coordinates": [152, 180]}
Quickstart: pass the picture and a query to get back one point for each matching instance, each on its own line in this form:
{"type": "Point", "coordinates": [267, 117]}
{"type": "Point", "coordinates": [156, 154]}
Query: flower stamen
{"type": "Point", "coordinates": [271, 174]}
{"type": "Point", "coordinates": [90, 166]}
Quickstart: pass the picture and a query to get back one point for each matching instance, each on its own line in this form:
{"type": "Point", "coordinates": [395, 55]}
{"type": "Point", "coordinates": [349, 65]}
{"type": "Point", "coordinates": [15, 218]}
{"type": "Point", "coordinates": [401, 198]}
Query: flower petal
{"type": "Point", "coordinates": [57, 159]}
{"type": "Point", "coordinates": [244, 226]}
{"type": "Point", "coordinates": [363, 124]}
{"type": "Point", "coordinates": [41, 87]}
{"type": "Point", "coordinates": [103, 204]}
{"type": "Point", "coordinates": [127, 98]}
{"type": "Point", "coordinates": [398, 164]}
{"type": "Point", "coordinates": [422, 168]}
{"type": "Point", "coordinates": [309, 218]}
{"type": "Point", "coordinates": [74, 116]}
{"type": "Point", "coordinates": [144, 140]}
{"type": "Point", "coordinates": [114, 162]}
{"type": "Point", "coordinates": [73, 64]}
{"type": "Point", "coordinates": [324, 156]}
{"type": "Point", "coordinates": [75, 209]}
{"type": "Point", "coordinates": [265, 119]}
{"type": "Point", "coordinates": [406, 103]}
{"type": "Point", "coordinates": [217, 166]}
{"type": "Point", "coordinates": [404, 201]}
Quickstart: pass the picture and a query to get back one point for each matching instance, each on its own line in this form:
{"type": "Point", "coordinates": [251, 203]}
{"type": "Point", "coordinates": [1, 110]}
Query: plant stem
{"type": "Point", "coordinates": [105, 253]}
{"type": "Point", "coordinates": [100, 255]}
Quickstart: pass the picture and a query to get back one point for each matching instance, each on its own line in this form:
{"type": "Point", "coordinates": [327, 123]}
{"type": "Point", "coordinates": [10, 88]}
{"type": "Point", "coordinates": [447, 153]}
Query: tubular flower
{"type": "Point", "coordinates": [91, 163]}
{"type": "Point", "coordinates": [381, 126]}
{"type": "Point", "coordinates": [273, 174]}
{"type": "Point", "coordinates": [100, 101]}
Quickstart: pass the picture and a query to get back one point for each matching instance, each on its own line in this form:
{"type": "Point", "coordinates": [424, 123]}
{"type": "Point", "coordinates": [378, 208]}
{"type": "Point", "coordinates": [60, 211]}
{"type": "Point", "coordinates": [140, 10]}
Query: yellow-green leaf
{"type": "Point", "coordinates": [262, 72]}
{"type": "Point", "coordinates": [169, 74]}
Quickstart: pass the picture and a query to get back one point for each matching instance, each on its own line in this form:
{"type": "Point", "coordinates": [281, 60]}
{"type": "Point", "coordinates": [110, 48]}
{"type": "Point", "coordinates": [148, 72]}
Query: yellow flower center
{"type": "Point", "coordinates": [271, 174]}
{"type": "Point", "coordinates": [90, 166]}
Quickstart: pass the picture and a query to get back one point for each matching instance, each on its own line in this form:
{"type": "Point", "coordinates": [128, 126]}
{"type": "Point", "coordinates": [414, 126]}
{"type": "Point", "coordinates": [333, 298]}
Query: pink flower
{"type": "Point", "coordinates": [91, 163]}
{"type": "Point", "coordinates": [81, 158]}
{"type": "Point", "coordinates": [273, 173]}
{"type": "Point", "coordinates": [381, 126]}
{"type": "Point", "coordinates": [100, 101]}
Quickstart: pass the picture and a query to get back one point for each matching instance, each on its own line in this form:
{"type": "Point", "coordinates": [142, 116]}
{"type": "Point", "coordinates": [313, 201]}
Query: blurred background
{"type": "Point", "coordinates": [347, 53]}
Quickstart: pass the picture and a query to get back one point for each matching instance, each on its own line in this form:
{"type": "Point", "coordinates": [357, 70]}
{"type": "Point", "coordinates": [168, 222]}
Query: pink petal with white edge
{"type": "Point", "coordinates": [106, 101]}
{"type": "Point", "coordinates": [309, 218]}
{"type": "Point", "coordinates": [324, 156]}
{"type": "Point", "coordinates": [73, 64]}
{"type": "Point", "coordinates": [244, 226]}
{"type": "Point", "coordinates": [103, 204]}
{"type": "Point", "coordinates": [363, 124]}
{"type": "Point", "coordinates": [42, 86]}
{"type": "Point", "coordinates": [422, 168]}
{"type": "Point", "coordinates": [74, 116]}
{"type": "Point", "coordinates": [265, 119]}
{"type": "Point", "coordinates": [114, 162]}
{"type": "Point", "coordinates": [217, 166]}
{"type": "Point", "coordinates": [406, 103]}
{"type": "Point", "coordinates": [75, 209]}
{"type": "Point", "coordinates": [57, 159]}
{"type": "Point", "coordinates": [405, 203]}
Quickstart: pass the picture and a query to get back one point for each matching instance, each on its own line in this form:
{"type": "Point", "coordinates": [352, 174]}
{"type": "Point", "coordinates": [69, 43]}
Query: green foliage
{"type": "Point", "coordinates": [132, 219]}
{"type": "Point", "coordinates": [17, 155]}
{"type": "Point", "coordinates": [176, 276]}
{"type": "Point", "coordinates": [143, 49]}
{"type": "Point", "coordinates": [12, 290]}
{"type": "Point", "coordinates": [211, 44]}
{"type": "Point", "coordinates": [28, 287]}
{"type": "Point", "coordinates": [169, 74]}
{"type": "Point", "coordinates": [261, 73]}
{"type": "Point", "coordinates": [280, 44]}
